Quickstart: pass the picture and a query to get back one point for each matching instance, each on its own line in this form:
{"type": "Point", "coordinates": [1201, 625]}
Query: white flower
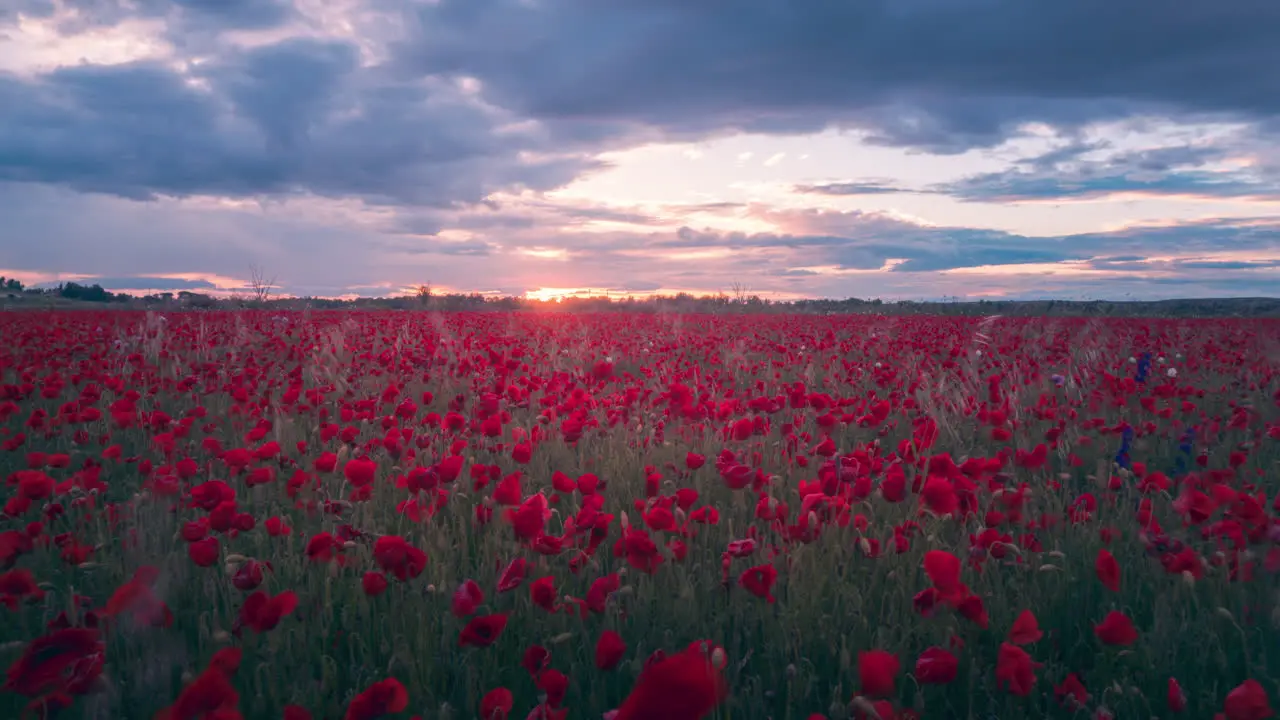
{"type": "Point", "coordinates": [1172, 372]}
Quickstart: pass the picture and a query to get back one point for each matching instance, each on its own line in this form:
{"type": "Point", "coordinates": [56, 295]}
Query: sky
{"type": "Point", "coordinates": [901, 149]}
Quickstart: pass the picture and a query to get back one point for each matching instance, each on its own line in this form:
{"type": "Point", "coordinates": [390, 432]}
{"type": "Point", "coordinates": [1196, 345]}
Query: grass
{"type": "Point", "coordinates": [787, 659]}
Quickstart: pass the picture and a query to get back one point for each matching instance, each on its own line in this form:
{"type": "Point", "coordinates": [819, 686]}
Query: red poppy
{"type": "Point", "coordinates": [496, 704]}
{"type": "Point", "coordinates": [1248, 701]}
{"type": "Point", "coordinates": [684, 686]}
{"type": "Point", "coordinates": [211, 694]}
{"type": "Point", "coordinates": [535, 660]}
{"type": "Point", "coordinates": [1025, 630]}
{"type": "Point", "coordinates": [1108, 570]}
{"type": "Point", "coordinates": [395, 555]}
{"type": "Point", "coordinates": [384, 697]}
{"type": "Point", "coordinates": [513, 575]}
{"type": "Point", "coordinates": [936, 666]}
{"type": "Point", "coordinates": [943, 570]}
{"type": "Point", "coordinates": [543, 594]}
{"type": "Point", "coordinates": [1071, 693]}
{"type": "Point", "coordinates": [876, 672]}
{"type": "Point", "coordinates": [609, 650]}
{"type": "Point", "coordinates": [555, 684]}
{"type": "Point", "coordinates": [483, 631]}
{"type": "Point", "coordinates": [136, 599]}
{"type": "Point", "coordinates": [204, 552]}
{"type": "Point", "coordinates": [1116, 629]}
{"type": "Point", "coordinates": [360, 472]}
{"type": "Point", "coordinates": [759, 581]}
{"type": "Point", "coordinates": [1015, 670]}
{"type": "Point", "coordinates": [65, 660]}
{"type": "Point", "coordinates": [263, 612]}
{"type": "Point", "coordinates": [466, 598]}
{"type": "Point", "coordinates": [373, 583]}
{"type": "Point", "coordinates": [1176, 698]}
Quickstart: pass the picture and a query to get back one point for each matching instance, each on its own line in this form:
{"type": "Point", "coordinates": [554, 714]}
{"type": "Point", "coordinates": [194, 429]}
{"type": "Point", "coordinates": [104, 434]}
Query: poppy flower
{"type": "Point", "coordinates": [759, 581]}
{"type": "Point", "coordinates": [609, 650]}
{"type": "Point", "coordinates": [600, 590]}
{"type": "Point", "coordinates": [943, 570]}
{"type": "Point", "coordinates": [384, 697]}
{"type": "Point", "coordinates": [535, 660]}
{"type": "Point", "coordinates": [936, 666]}
{"type": "Point", "coordinates": [1108, 570]}
{"type": "Point", "coordinates": [482, 631]}
{"type": "Point", "coordinates": [263, 612]}
{"type": "Point", "coordinates": [1116, 629]}
{"type": "Point", "coordinates": [513, 575]}
{"type": "Point", "coordinates": [1025, 630]}
{"type": "Point", "coordinates": [466, 598]}
{"type": "Point", "coordinates": [496, 704]}
{"type": "Point", "coordinates": [876, 672]}
{"type": "Point", "coordinates": [1071, 693]}
{"type": "Point", "coordinates": [65, 660]}
{"type": "Point", "coordinates": [360, 472]}
{"type": "Point", "coordinates": [373, 583]}
{"type": "Point", "coordinates": [136, 599]}
{"type": "Point", "coordinates": [248, 576]}
{"type": "Point", "coordinates": [1175, 697]}
{"type": "Point", "coordinates": [684, 686]}
{"type": "Point", "coordinates": [543, 593]}
{"type": "Point", "coordinates": [211, 694]}
{"type": "Point", "coordinates": [1015, 670]}
{"type": "Point", "coordinates": [555, 684]}
{"type": "Point", "coordinates": [1247, 701]}
{"type": "Point", "coordinates": [203, 553]}
{"type": "Point", "coordinates": [395, 555]}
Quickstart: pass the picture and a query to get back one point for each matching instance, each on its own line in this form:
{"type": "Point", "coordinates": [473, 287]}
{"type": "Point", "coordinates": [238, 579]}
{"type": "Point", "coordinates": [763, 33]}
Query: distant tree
{"type": "Point", "coordinates": [424, 294]}
{"type": "Point", "coordinates": [259, 286]}
{"type": "Point", "coordinates": [84, 293]}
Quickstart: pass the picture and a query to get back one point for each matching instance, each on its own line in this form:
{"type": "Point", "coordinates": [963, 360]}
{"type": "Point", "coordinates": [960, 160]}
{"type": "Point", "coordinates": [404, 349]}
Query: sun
{"type": "Point", "coordinates": [547, 294]}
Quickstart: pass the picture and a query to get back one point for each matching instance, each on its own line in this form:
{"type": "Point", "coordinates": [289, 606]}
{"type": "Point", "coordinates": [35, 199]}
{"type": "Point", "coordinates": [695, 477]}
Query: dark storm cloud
{"type": "Point", "coordinates": [299, 116]}
{"type": "Point", "coordinates": [932, 74]}
{"type": "Point", "coordinates": [182, 15]}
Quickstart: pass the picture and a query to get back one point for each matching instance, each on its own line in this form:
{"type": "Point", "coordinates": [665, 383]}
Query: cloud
{"type": "Point", "coordinates": [852, 188]}
{"type": "Point", "coordinates": [1089, 172]}
{"type": "Point", "coordinates": [930, 74]}
{"type": "Point", "coordinates": [296, 117]}
{"type": "Point", "coordinates": [184, 15]}
{"type": "Point", "coordinates": [363, 146]}
{"type": "Point", "coordinates": [153, 283]}
{"type": "Point", "coordinates": [1227, 264]}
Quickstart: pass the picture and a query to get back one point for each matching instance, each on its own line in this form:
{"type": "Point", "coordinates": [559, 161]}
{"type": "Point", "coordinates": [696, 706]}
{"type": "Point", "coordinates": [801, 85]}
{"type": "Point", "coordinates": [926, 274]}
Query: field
{"type": "Point", "coordinates": [358, 515]}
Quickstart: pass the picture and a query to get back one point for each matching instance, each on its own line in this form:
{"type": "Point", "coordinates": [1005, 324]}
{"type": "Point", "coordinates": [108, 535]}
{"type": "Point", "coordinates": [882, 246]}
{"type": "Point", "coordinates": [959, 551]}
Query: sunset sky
{"type": "Point", "coordinates": [800, 148]}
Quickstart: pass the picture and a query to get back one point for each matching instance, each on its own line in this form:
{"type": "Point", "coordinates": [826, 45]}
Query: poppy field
{"type": "Point", "coordinates": [538, 515]}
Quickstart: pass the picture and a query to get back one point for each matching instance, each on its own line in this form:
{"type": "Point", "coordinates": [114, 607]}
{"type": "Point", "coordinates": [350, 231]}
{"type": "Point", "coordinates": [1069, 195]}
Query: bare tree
{"type": "Point", "coordinates": [259, 285]}
{"type": "Point", "coordinates": [424, 294]}
{"type": "Point", "coordinates": [739, 292]}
